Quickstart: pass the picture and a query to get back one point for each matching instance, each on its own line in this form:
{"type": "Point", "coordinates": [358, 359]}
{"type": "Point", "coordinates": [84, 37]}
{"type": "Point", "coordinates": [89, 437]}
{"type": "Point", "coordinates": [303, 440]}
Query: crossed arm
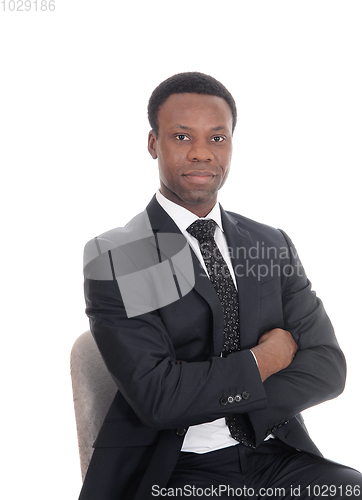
{"type": "Point", "coordinates": [166, 393]}
{"type": "Point", "coordinates": [275, 351]}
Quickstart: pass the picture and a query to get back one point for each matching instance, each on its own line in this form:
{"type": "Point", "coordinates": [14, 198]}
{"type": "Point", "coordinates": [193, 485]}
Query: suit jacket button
{"type": "Point", "coordinates": [224, 401]}
{"type": "Point", "coordinates": [181, 432]}
{"type": "Point", "coordinates": [238, 398]}
{"type": "Point", "coordinates": [245, 395]}
{"type": "Point", "coordinates": [231, 399]}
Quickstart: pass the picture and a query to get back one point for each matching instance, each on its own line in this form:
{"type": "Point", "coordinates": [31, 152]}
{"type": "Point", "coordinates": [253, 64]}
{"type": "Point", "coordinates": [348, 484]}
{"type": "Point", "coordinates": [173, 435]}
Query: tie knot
{"type": "Point", "coordinates": [202, 229]}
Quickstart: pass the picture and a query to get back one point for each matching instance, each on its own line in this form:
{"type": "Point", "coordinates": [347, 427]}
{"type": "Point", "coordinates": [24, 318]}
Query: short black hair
{"type": "Point", "coordinates": [190, 82]}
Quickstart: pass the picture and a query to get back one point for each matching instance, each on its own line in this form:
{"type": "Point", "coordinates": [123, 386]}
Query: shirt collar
{"type": "Point", "coordinates": [182, 217]}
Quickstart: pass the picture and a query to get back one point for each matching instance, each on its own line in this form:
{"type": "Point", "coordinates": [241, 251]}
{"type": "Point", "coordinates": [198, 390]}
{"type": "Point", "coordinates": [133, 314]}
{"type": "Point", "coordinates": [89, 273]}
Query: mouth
{"type": "Point", "coordinates": [199, 176]}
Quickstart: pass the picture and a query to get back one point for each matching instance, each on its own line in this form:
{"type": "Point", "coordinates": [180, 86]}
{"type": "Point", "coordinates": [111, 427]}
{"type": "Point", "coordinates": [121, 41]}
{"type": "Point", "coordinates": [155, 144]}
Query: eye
{"type": "Point", "coordinates": [182, 137]}
{"type": "Point", "coordinates": [218, 138]}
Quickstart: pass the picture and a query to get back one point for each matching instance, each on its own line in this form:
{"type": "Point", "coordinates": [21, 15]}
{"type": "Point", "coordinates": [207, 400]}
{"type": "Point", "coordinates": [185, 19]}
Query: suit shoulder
{"type": "Point", "coordinates": [136, 229]}
{"type": "Point", "coordinates": [258, 230]}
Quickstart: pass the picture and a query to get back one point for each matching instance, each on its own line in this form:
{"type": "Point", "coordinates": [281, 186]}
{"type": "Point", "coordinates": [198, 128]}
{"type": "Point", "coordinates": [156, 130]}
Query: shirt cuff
{"type": "Point", "coordinates": [256, 361]}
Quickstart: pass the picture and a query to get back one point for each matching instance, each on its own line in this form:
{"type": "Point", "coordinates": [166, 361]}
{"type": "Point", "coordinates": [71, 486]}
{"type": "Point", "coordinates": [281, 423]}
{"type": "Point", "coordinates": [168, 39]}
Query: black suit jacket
{"type": "Point", "coordinates": [167, 365]}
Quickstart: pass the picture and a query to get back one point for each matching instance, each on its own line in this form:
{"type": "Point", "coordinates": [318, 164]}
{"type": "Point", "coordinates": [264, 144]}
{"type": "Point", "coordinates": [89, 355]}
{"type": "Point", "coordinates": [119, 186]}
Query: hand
{"type": "Point", "coordinates": [275, 351]}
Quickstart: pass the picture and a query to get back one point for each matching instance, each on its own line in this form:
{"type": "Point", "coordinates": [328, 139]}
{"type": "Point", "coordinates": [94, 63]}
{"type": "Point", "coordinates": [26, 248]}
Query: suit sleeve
{"type": "Point", "coordinates": [318, 370]}
{"type": "Point", "coordinates": [164, 392]}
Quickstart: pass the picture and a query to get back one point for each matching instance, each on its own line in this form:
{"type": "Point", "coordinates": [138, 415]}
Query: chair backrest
{"type": "Point", "coordinates": [93, 393]}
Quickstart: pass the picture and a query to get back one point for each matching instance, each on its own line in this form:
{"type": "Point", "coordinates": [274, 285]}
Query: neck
{"type": "Point", "coordinates": [199, 207]}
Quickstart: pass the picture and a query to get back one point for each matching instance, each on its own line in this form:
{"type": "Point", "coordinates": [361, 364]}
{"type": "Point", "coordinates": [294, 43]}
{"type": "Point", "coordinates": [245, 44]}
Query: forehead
{"type": "Point", "coordinates": [192, 109]}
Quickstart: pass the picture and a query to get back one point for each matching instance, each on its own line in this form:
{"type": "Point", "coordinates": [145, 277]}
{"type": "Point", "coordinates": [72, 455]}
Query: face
{"type": "Point", "coordinates": [193, 148]}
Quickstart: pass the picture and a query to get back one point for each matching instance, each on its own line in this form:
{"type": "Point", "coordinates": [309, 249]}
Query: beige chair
{"type": "Point", "coordinates": [93, 392]}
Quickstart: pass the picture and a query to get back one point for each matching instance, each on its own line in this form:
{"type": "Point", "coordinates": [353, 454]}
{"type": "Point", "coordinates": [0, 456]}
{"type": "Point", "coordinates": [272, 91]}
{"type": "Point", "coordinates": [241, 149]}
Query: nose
{"type": "Point", "coordinates": [200, 152]}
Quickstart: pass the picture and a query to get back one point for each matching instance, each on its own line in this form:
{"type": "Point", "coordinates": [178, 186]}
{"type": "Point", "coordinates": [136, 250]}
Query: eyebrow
{"type": "Point", "coordinates": [214, 129]}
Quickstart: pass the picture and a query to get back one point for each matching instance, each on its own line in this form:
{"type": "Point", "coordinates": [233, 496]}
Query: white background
{"type": "Point", "coordinates": [74, 88]}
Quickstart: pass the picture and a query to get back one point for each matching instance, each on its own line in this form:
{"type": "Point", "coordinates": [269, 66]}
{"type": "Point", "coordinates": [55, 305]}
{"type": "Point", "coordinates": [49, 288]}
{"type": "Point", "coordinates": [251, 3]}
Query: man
{"type": "Point", "coordinates": [208, 325]}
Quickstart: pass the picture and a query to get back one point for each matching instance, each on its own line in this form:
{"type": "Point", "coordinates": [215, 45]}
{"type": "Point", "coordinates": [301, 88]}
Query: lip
{"type": "Point", "coordinates": [199, 176]}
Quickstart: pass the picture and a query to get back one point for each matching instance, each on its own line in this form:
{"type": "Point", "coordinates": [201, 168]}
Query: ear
{"type": "Point", "coordinates": [152, 144]}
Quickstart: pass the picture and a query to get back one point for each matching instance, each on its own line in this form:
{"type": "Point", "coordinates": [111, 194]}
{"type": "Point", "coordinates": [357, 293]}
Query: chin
{"type": "Point", "coordinates": [199, 197]}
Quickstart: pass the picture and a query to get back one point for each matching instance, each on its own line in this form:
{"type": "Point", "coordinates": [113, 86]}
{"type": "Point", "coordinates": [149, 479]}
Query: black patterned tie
{"type": "Point", "coordinates": [219, 274]}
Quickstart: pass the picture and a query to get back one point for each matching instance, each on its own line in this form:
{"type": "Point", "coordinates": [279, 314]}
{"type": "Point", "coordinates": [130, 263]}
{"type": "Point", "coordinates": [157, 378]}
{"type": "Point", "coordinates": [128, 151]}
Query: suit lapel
{"type": "Point", "coordinates": [240, 242]}
{"type": "Point", "coordinates": [205, 288]}
{"type": "Point", "coordinates": [162, 223]}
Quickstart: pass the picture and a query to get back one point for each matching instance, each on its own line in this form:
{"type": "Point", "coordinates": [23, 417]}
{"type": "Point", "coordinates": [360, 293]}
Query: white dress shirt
{"type": "Point", "coordinates": [215, 435]}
